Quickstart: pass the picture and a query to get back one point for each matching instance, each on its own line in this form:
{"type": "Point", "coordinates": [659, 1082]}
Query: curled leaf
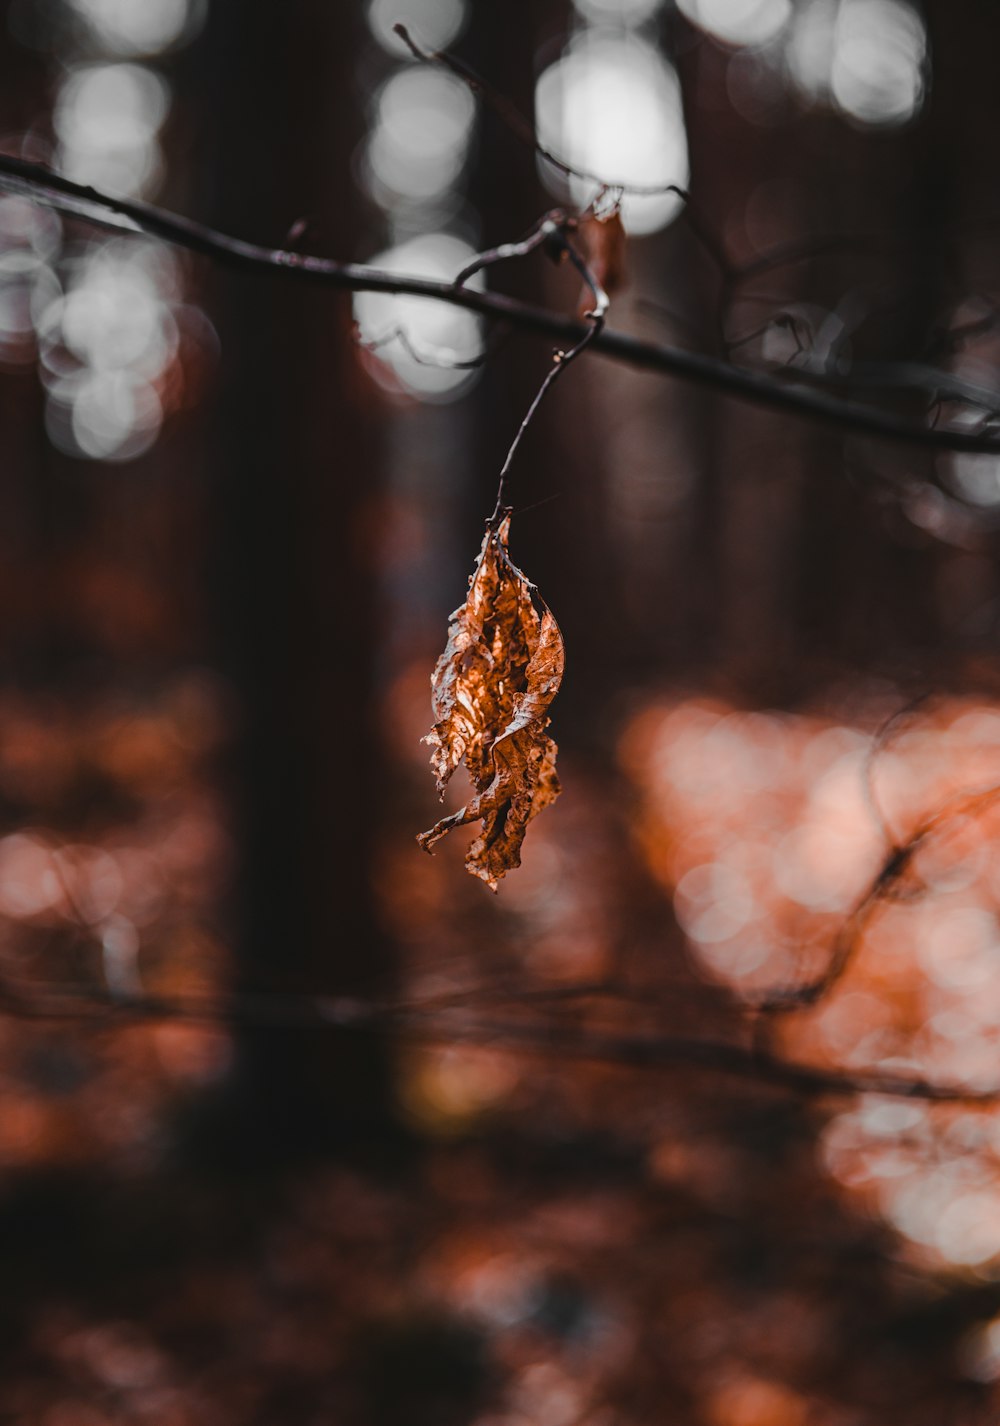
{"type": "Point", "coordinates": [491, 690]}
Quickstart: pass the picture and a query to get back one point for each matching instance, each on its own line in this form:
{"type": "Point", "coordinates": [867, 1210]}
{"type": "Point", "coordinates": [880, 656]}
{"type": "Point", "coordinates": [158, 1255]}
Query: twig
{"type": "Point", "coordinates": [663, 312]}
{"type": "Point", "coordinates": [904, 376]}
{"type": "Point", "coordinates": [128, 216]}
{"type": "Point", "coordinates": [548, 230]}
{"type": "Point", "coordinates": [519, 126]}
{"type": "Point", "coordinates": [881, 741]}
{"type": "Point", "coordinates": [514, 120]}
{"type": "Point", "coordinates": [560, 361]}
{"type": "Point", "coordinates": [783, 321]}
{"type": "Point", "coordinates": [896, 864]}
{"type": "Point", "coordinates": [100, 1011]}
{"type": "Point", "coordinates": [441, 358]}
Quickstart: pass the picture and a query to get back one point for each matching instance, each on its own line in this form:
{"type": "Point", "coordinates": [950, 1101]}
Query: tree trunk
{"type": "Point", "coordinates": [296, 483]}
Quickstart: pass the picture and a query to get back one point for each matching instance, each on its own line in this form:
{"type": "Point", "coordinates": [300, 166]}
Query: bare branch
{"type": "Point", "coordinates": [519, 126]}
{"type": "Point", "coordinates": [881, 741]}
{"type": "Point", "coordinates": [761, 389]}
{"type": "Point", "coordinates": [896, 864]}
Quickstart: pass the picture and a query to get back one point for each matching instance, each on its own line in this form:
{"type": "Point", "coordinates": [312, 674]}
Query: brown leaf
{"type": "Point", "coordinates": [491, 690]}
{"type": "Point", "coordinates": [602, 238]}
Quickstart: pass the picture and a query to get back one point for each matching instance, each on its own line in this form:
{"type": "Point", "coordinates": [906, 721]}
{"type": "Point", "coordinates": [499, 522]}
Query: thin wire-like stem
{"type": "Point", "coordinates": [560, 361]}
{"type": "Point", "coordinates": [514, 120]}
{"type": "Point", "coordinates": [546, 230]}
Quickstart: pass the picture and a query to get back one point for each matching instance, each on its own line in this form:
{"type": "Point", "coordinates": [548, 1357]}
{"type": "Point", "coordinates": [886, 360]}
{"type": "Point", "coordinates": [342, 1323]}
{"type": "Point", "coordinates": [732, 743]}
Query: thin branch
{"type": "Point", "coordinates": [514, 120]}
{"type": "Point", "coordinates": [903, 376]}
{"type": "Point", "coordinates": [782, 321]}
{"type": "Point", "coordinates": [879, 744]}
{"type": "Point", "coordinates": [896, 864]}
{"type": "Point", "coordinates": [560, 361]}
{"type": "Point", "coordinates": [128, 216]}
{"type": "Point", "coordinates": [547, 230]}
{"type": "Point", "coordinates": [412, 1022]}
{"type": "Point", "coordinates": [441, 358]}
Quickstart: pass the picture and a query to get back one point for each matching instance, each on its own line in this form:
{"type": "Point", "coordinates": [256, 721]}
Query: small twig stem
{"type": "Point", "coordinates": [560, 361]}
{"type": "Point", "coordinates": [546, 230]}
{"type": "Point", "coordinates": [514, 120]}
{"type": "Point", "coordinates": [441, 357]}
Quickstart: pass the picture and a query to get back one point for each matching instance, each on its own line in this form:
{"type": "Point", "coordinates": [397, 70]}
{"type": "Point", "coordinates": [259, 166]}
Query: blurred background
{"type": "Point", "coordinates": [231, 534]}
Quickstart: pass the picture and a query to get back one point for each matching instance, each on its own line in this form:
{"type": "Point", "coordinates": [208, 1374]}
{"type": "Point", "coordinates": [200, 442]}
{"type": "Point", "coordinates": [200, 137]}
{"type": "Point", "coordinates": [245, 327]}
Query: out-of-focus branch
{"type": "Point", "coordinates": [434, 1022]}
{"type": "Point", "coordinates": [762, 389]}
{"type": "Point", "coordinates": [883, 886]}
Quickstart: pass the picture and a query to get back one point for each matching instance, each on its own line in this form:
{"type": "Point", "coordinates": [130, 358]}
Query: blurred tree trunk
{"type": "Point", "coordinates": [296, 487]}
{"type": "Point", "coordinates": [803, 566]}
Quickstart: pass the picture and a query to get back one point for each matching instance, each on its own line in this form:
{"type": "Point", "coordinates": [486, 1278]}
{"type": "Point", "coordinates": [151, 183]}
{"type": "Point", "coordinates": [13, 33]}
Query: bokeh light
{"type": "Point", "coordinates": [419, 141]}
{"type": "Point", "coordinates": [611, 106]}
{"type": "Point", "coordinates": [623, 12]}
{"type": "Point", "coordinates": [767, 830]}
{"type": "Point", "coordinates": [432, 22]}
{"type": "Point", "coordinates": [435, 332]}
{"type": "Point", "coordinates": [877, 72]}
{"type": "Point", "coordinates": [976, 478]}
{"type": "Point", "coordinates": [106, 346]}
{"type": "Point", "coordinates": [107, 117]}
{"type": "Point", "coordinates": [739, 22]}
{"type": "Point", "coordinates": [867, 57]}
{"type": "Point", "coordinates": [127, 29]}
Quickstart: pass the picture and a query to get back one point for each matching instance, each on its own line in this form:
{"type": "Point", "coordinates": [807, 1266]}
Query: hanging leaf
{"type": "Point", "coordinates": [602, 238]}
{"type": "Point", "coordinates": [491, 689]}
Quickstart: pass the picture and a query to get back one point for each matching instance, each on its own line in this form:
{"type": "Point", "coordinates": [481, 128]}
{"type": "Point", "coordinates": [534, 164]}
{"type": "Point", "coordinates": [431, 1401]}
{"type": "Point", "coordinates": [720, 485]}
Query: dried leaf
{"type": "Point", "coordinates": [602, 238]}
{"type": "Point", "coordinates": [491, 690]}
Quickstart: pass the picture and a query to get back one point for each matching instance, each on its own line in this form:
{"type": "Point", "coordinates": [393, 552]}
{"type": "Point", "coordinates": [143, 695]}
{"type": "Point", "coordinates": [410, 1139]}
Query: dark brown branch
{"type": "Point", "coordinates": [121, 215]}
{"type": "Point", "coordinates": [514, 120]}
{"type": "Point", "coordinates": [895, 865]}
{"type": "Point", "coordinates": [548, 230]}
{"type": "Point", "coordinates": [433, 1024]}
